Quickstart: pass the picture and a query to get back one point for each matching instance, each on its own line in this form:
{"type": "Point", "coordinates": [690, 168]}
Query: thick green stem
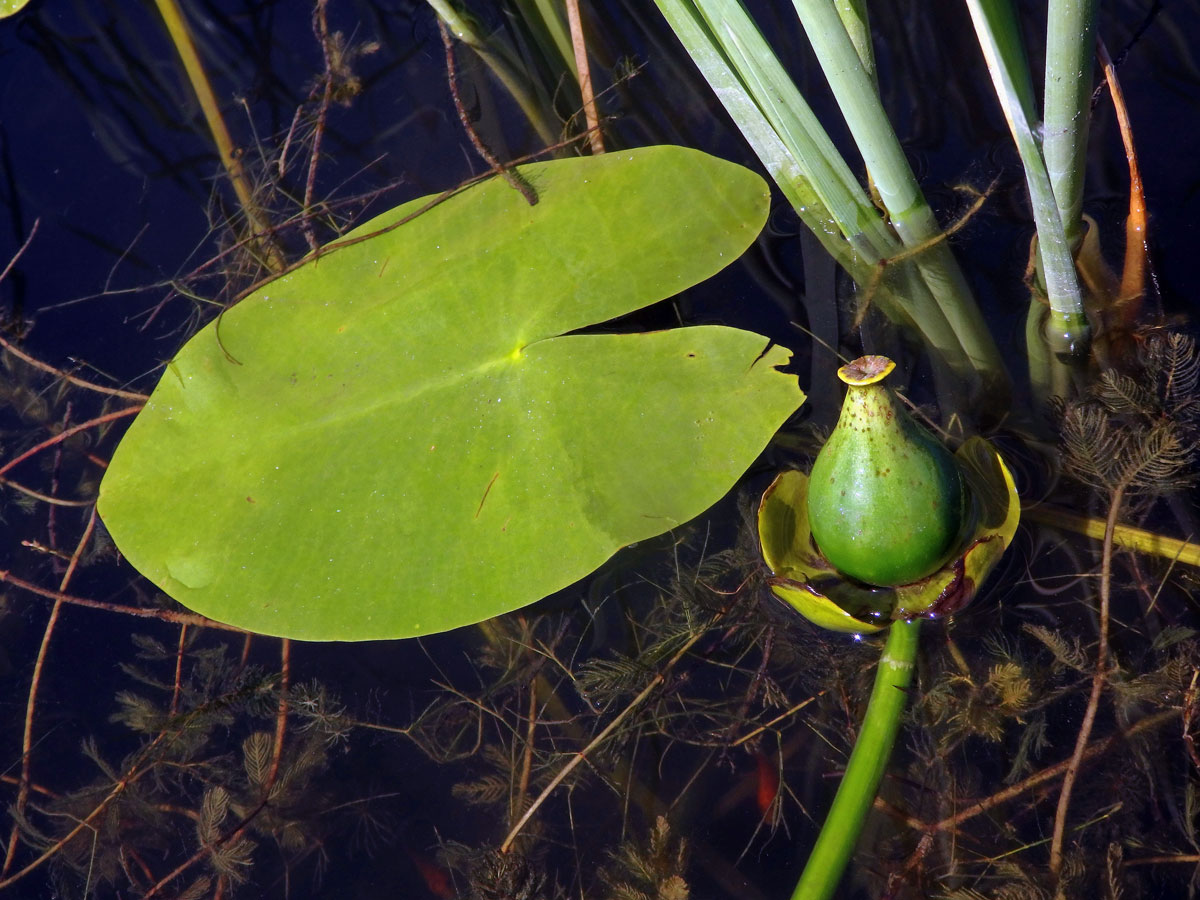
{"type": "Point", "coordinates": [865, 769]}
{"type": "Point", "coordinates": [914, 222]}
{"type": "Point", "coordinates": [853, 14]}
{"type": "Point", "coordinates": [1067, 331]}
{"type": "Point", "coordinates": [1070, 50]}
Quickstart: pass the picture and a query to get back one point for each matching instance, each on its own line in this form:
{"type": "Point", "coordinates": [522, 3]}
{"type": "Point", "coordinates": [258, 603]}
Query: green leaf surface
{"type": "Point", "coordinates": [401, 437]}
{"type": "Point", "coordinates": [11, 7]}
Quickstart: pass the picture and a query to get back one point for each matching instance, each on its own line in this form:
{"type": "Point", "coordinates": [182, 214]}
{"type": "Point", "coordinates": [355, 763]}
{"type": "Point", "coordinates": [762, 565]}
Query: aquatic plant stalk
{"type": "Point", "coordinates": [583, 73]}
{"type": "Point", "coordinates": [908, 211]}
{"type": "Point", "coordinates": [500, 60]}
{"type": "Point", "coordinates": [853, 14]}
{"type": "Point", "coordinates": [1139, 540]}
{"type": "Point", "coordinates": [544, 18]}
{"type": "Point", "coordinates": [1070, 40]}
{"type": "Point", "coordinates": [181, 37]}
{"type": "Point", "coordinates": [731, 54]}
{"type": "Point", "coordinates": [1067, 330]}
{"type": "Point", "coordinates": [748, 79]}
{"type": "Point", "coordinates": [839, 835]}
{"type": "Point", "coordinates": [1099, 678]}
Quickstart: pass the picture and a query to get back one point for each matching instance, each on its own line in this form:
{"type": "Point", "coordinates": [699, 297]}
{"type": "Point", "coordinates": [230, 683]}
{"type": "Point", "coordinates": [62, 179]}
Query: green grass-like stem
{"type": "Point", "coordinates": [864, 114]}
{"type": "Point", "coordinates": [758, 81]}
{"type": "Point", "coordinates": [181, 36]}
{"type": "Point", "coordinates": [868, 760]}
{"type": "Point", "coordinates": [546, 22]}
{"type": "Point", "coordinates": [1067, 330]}
{"type": "Point", "coordinates": [502, 63]}
{"type": "Point", "coordinates": [853, 14]}
{"type": "Point", "coordinates": [1070, 54]}
{"type": "Point", "coordinates": [765, 104]}
{"type": "Point", "coordinates": [908, 211]}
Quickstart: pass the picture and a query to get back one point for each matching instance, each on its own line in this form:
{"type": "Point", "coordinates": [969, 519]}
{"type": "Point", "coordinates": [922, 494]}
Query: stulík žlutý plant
{"type": "Point", "coordinates": [886, 529]}
{"type": "Point", "coordinates": [785, 692]}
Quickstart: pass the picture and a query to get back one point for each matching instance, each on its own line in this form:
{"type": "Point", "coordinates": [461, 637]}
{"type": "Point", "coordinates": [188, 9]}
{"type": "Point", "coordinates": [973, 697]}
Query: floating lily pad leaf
{"type": "Point", "coordinates": [11, 7]}
{"type": "Point", "coordinates": [805, 580]}
{"type": "Point", "coordinates": [402, 437]}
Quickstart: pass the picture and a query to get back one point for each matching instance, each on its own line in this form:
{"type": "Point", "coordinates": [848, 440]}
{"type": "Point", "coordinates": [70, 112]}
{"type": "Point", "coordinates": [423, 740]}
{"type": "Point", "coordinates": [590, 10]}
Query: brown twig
{"type": "Point", "coordinates": [176, 688]}
{"type": "Point", "coordinates": [584, 71]}
{"type": "Point", "coordinates": [321, 30]}
{"type": "Point", "coordinates": [136, 771]}
{"type": "Point", "coordinates": [164, 615]}
{"type": "Point", "coordinates": [659, 678]}
{"type": "Point", "coordinates": [63, 435]}
{"type": "Point", "coordinates": [245, 657]}
{"type": "Point", "coordinates": [44, 498]}
{"type": "Point", "coordinates": [509, 174]}
{"type": "Point", "coordinates": [881, 264]}
{"type": "Point", "coordinates": [55, 469]}
{"type": "Point", "coordinates": [34, 787]}
{"type": "Point", "coordinates": [21, 250]}
{"type": "Point", "coordinates": [344, 242]}
{"type": "Point", "coordinates": [70, 379]}
{"type": "Point", "coordinates": [236, 834]}
{"type": "Point", "coordinates": [1098, 682]}
{"type": "Point", "coordinates": [1189, 717]}
{"type": "Point", "coordinates": [743, 709]}
{"type": "Point", "coordinates": [518, 804]}
{"type": "Point", "coordinates": [1191, 858]}
{"type": "Point", "coordinates": [1045, 775]}
{"type": "Point", "coordinates": [753, 733]}
{"type": "Point", "coordinates": [285, 655]}
{"type": "Point", "coordinates": [31, 699]}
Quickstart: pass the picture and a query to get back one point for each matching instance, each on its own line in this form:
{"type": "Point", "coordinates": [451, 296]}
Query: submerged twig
{"type": "Point", "coordinates": [518, 804]}
{"type": "Point", "coordinates": [135, 771]}
{"type": "Point", "coordinates": [583, 69]}
{"type": "Point", "coordinates": [70, 379]}
{"type": "Point", "coordinates": [321, 29]}
{"type": "Point", "coordinates": [659, 678]}
{"type": "Point", "coordinates": [1098, 681]}
{"type": "Point", "coordinates": [66, 433]}
{"type": "Point", "coordinates": [232, 837]}
{"type": "Point", "coordinates": [31, 700]}
{"type": "Point", "coordinates": [21, 250]}
{"type": "Point", "coordinates": [165, 615]}
{"type": "Point", "coordinates": [978, 808]}
{"type": "Point", "coordinates": [515, 179]}
{"type": "Point", "coordinates": [176, 24]}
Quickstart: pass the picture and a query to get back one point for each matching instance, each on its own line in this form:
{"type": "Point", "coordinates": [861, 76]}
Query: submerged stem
{"type": "Point", "coordinates": [1098, 681]}
{"type": "Point", "coordinates": [865, 769]}
{"type": "Point", "coordinates": [181, 37]}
